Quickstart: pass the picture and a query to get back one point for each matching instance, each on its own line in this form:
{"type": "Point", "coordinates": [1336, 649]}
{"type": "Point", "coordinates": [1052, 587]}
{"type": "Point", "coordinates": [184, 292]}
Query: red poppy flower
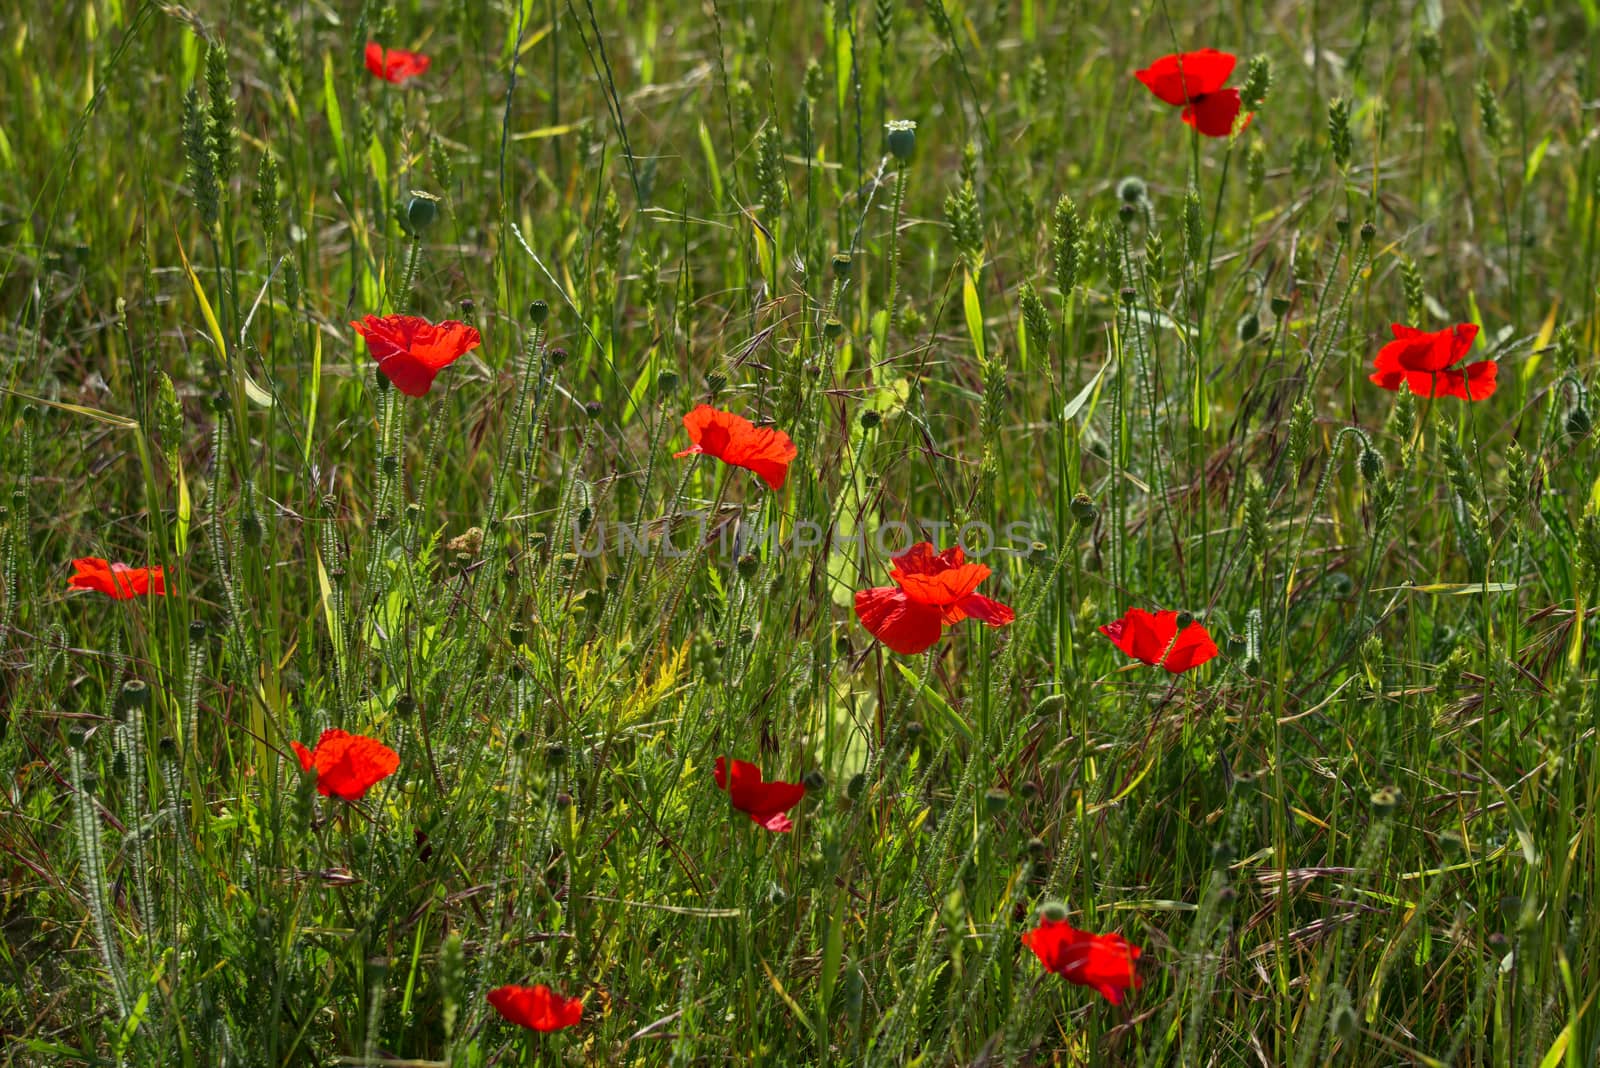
{"type": "Point", "coordinates": [1105, 962]}
{"type": "Point", "coordinates": [537, 1007]}
{"type": "Point", "coordinates": [738, 442]}
{"type": "Point", "coordinates": [395, 64]}
{"type": "Point", "coordinates": [931, 591]}
{"type": "Point", "coordinates": [1427, 363]}
{"type": "Point", "coordinates": [1155, 639]}
{"type": "Point", "coordinates": [117, 581]}
{"type": "Point", "coordinates": [410, 350]}
{"type": "Point", "coordinates": [347, 764]}
{"type": "Point", "coordinates": [764, 802]}
{"type": "Point", "coordinates": [1193, 81]}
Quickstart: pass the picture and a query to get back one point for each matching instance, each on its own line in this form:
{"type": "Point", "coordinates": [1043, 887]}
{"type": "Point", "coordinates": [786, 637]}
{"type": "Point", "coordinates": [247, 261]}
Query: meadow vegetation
{"type": "Point", "coordinates": [1332, 802]}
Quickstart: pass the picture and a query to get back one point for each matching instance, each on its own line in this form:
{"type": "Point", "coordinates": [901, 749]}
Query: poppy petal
{"type": "Point", "coordinates": [1182, 78]}
{"type": "Point", "coordinates": [1214, 113]}
{"type": "Point", "coordinates": [903, 624]}
{"type": "Point", "coordinates": [1143, 635]}
{"type": "Point", "coordinates": [1191, 648]}
{"type": "Point", "coordinates": [983, 609]}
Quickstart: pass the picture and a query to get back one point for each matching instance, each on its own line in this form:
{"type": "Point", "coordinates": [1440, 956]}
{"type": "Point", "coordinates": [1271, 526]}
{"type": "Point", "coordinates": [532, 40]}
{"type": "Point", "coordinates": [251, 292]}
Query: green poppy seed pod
{"type": "Point", "coordinates": [1385, 799]}
{"type": "Point", "coordinates": [1280, 306]}
{"type": "Point", "coordinates": [749, 565]}
{"type": "Point", "coordinates": [538, 312]}
{"type": "Point", "coordinates": [870, 420]}
{"type": "Point", "coordinates": [1252, 666]}
{"type": "Point", "coordinates": [716, 383]}
{"type": "Point", "coordinates": [1368, 232]}
{"type": "Point", "coordinates": [467, 306]}
{"type": "Point", "coordinates": [517, 634]}
{"type": "Point", "coordinates": [558, 356]}
{"type": "Point", "coordinates": [996, 800]}
{"type": "Point", "coordinates": [667, 381]}
{"type": "Point", "coordinates": [593, 409]}
{"type": "Point", "coordinates": [1342, 224]}
{"type": "Point", "coordinates": [421, 210]}
{"type": "Point", "coordinates": [1028, 790]}
{"type": "Point", "coordinates": [1126, 214]}
{"type": "Point", "coordinates": [1128, 295]}
{"type": "Point", "coordinates": [776, 895]}
{"type": "Point", "coordinates": [219, 401]}
{"type": "Point", "coordinates": [1039, 554]}
{"type": "Point", "coordinates": [555, 755]}
{"type": "Point", "coordinates": [383, 524]}
{"type": "Point", "coordinates": [76, 737]}
{"type": "Point", "coordinates": [390, 465]}
{"type": "Point", "coordinates": [1235, 646]}
{"type": "Point", "coordinates": [1371, 465]}
{"type": "Point", "coordinates": [1185, 619]}
{"type": "Point", "coordinates": [89, 783]}
{"type": "Point", "coordinates": [1053, 911]}
{"type": "Point", "coordinates": [167, 746]}
{"type": "Point", "coordinates": [841, 266]}
{"type": "Point", "coordinates": [135, 694]}
{"type": "Point", "coordinates": [30, 414]}
{"type": "Point", "coordinates": [1037, 847]}
{"type": "Point", "coordinates": [746, 636]}
{"type": "Point", "coordinates": [902, 139]}
{"type": "Point", "coordinates": [832, 329]}
{"type": "Point", "coordinates": [856, 786]}
{"type": "Point", "coordinates": [914, 731]}
{"type": "Point", "coordinates": [1132, 190]}
{"type": "Point", "coordinates": [1249, 328]}
{"type": "Point", "coordinates": [1579, 422]}
{"type": "Point", "coordinates": [719, 648]}
{"type": "Point", "coordinates": [405, 706]}
{"type": "Point", "coordinates": [813, 781]}
{"type": "Point", "coordinates": [197, 629]}
{"type": "Point", "coordinates": [1084, 510]}
{"type": "Point", "coordinates": [521, 740]}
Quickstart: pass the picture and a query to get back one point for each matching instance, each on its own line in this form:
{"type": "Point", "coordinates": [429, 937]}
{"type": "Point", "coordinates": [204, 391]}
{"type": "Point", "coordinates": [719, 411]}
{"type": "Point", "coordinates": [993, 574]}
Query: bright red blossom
{"type": "Point", "coordinates": [1105, 962]}
{"type": "Point", "coordinates": [395, 64]}
{"type": "Point", "coordinates": [347, 765]}
{"type": "Point", "coordinates": [118, 581]}
{"type": "Point", "coordinates": [931, 591]}
{"type": "Point", "coordinates": [410, 350]}
{"type": "Point", "coordinates": [766, 803]}
{"type": "Point", "coordinates": [1155, 639]}
{"type": "Point", "coordinates": [738, 442]}
{"type": "Point", "coordinates": [1194, 82]}
{"type": "Point", "coordinates": [1427, 363]}
{"type": "Point", "coordinates": [537, 1007]}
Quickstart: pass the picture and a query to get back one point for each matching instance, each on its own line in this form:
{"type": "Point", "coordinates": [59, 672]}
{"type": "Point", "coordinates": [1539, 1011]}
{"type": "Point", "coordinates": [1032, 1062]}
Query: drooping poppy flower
{"type": "Point", "coordinates": [537, 1007]}
{"type": "Point", "coordinates": [931, 591]}
{"type": "Point", "coordinates": [1155, 639]}
{"type": "Point", "coordinates": [410, 350]}
{"type": "Point", "coordinates": [347, 765]}
{"type": "Point", "coordinates": [395, 64]}
{"type": "Point", "coordinates": [118, 581]}
{"type": "Point", "coordinates": [1427, 363]}
{"type": "Point", "coordinates": [738, 442]}
{"type": "Point", "coordinates": [766, 803]}
{"type": "Point", "coordinates": [1194, 82]}
{"type": "Point", "coordinates": [1105, 962]}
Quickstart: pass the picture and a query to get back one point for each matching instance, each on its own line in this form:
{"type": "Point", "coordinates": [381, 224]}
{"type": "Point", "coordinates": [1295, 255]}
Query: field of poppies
{"type": "Point", "coordinates": [868, 532]}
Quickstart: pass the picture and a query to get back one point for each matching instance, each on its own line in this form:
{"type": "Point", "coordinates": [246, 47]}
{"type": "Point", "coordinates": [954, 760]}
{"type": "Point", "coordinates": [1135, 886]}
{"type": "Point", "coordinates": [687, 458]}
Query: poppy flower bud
{"type": "Point", "coordinates": [870, 420]}
{"type": "Point", "coordinates": [421, 210]}
{"type": "Point", "coordinates": [746, 635]}
{"type": "Point", "coordinates": [857, 784]}
{"type": "Point", "coordinates": [1049, 705]}
{"type": "Point", "coordinates": [558, 356]}
{"type": "Point", "coordinates": [390, 465]}
{"type": "Point", "coordinates": [1249, 328]}
{"type": "Point", "coordinates": [1579, 423]}
{"type": "Point", "coordinates": [250, 528]}
{"type": "Point", "coordinates": [1280, 306]}
{"type": "Point", "coordinates": [1052, 911]}
{"type": "Point", "coordinates": [563, 800]}
{"type": "Point", "coordinates": [1132, 190]}
{"type": "Point", "coordinates": [841, 266]}
{"type": "Point", "coordinates": [1126, 214]}
{"type": "Point", "coordinates": [1385, 799]}
{"type": "Point", "coordinates": [467, 306]}
{"type": "Point", "coordinates": [1084, 510]}
{"type": "Point", "coordinates": [538, 312]}
{"type": "Point", "coordinates": [749, 564]}
{"type": "Point", "coordinates": [167, 746]}
{"type": "Point", "coordinates": [832, 329]}
{"type": "Point", "coordinates": [902, 139]}
{"type": "Point", "coordinates": [1185, 619]}
{"type": "Point", "coordinates": [119, 764]}
{"type": "Point", "coordinates": [1235, 646]}
{"type": "Point", "coordinates": [813, 781]}
{"type": "Point", "coordinates": [1371, 465]}
{"type": "Point", "coordinates": [135, 694]}
{"type": "Point", "coordinates": [1252, 666]}
{"type": "Point", "coordinates": [1344, 1022]}
{"type": "Point", "coordinates": [995, 801]}
{"type": "Point", "coordinates": [593, 409]}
